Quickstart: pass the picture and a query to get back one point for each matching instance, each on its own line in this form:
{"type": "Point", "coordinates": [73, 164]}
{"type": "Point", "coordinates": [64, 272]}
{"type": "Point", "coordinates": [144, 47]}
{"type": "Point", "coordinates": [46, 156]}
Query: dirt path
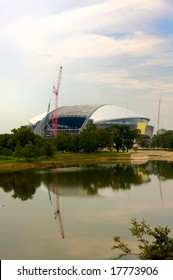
{"type": "Point", "coordinates": [154, 155]}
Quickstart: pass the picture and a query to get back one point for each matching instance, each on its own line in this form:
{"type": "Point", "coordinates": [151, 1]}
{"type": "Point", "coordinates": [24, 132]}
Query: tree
{"type": "Point", "coordinates": [123, 137]}
{"type": "Point", "coordinates": [23, 135]}
{"type": "Point", "coordinates": [48, 149]}
{"type": "Point", "coordinates": [6, 152]}
{"type": "Point", "coordinates": [154, 244]}
{"type": "Point", "coordinates": [117, 137]}
{"type": "Point", "coordinates": [4, 138]}
{"type": "Point", "coordinates": [167, 139]}
{"type": "Point", "coordinates": [30, 151]}
{"type": "Point", "coordinates": [130, 136]}
{"type": "Point", "coordinates": [72, 142]}
{"type": "Point", "coordinates": [61, 142]}
{"type": "Point", "coordinates": [89, 139]}
{"type": "Point", "coordinates": [144, 141]}
{"type": "Point", "coordinates": [18, 151]}
{"type": "Point", "coordinates": [163, 139]}
{"type": "Point", "coordinates": [104, 138]}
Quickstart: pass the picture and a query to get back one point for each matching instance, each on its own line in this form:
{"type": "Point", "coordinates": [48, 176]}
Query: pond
{"type": "Point", "coordinates": [75, 212]}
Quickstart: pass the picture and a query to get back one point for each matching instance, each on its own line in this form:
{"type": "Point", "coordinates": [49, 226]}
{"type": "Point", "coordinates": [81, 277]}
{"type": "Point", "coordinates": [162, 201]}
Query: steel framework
{"type": "Point", "coordinates": [55, 115]}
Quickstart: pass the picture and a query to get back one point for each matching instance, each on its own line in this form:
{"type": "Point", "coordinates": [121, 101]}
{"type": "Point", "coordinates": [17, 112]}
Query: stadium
{"type": "Point", "coordinates": [73, 119]}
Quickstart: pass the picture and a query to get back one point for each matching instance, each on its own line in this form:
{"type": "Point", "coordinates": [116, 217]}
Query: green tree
{"type": "Point", "coordinates": [88, 139]}
{"type": "Point", "coordinates": [123, 137]}
{"type": "Point", "coordinates": [61, 142]}
{"type": "Point", "coordinates": [18, 151]}
{"type": "Point", "coordinates": [153, 244]}
{"type": "Point", "coordinates": [39, 140]}
{"type": "Point", "coordinates": [144, 141]}
{"type": "Point", "coordinates": [48, 149]}
{"type": "Point", "coordinates": [163, 139]}
{"type": "Point", "coordinates": [23, 135]}
{"type": "Point", "coordinates": [104, 138]}
{"type": "Point", "coordinates": [4, 139]}
{"type": "Point", "coordinates": [6, 152]}
{"type": "Point", "coordinates": [117, 137]}
{"type": "Point", "coordinates": [167, 139]}
{"type": "Point", "coordinates": [72, 142]}
{"type": "Point", "coordinates": [30, 151]}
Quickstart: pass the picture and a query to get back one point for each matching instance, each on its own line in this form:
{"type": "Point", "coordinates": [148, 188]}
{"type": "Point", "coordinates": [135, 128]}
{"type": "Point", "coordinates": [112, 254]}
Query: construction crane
{"type": "Point", "coordinates": [55, 115]}
{"type": "Point", "coordinates": [48, 107]}
{"type": "Point", "coordinates": [47, 116]}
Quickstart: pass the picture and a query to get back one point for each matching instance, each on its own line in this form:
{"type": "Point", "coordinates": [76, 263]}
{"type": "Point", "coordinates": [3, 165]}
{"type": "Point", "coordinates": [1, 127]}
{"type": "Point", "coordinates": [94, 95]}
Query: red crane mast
{"type": "Point", "coordinates": [55, 116]}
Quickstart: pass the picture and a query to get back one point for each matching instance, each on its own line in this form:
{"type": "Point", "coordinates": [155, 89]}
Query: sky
{"type": "Point", "coordinates": [112, 52]}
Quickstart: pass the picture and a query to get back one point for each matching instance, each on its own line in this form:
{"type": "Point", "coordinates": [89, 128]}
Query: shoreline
{"type": "Point", "coordinates": [62, 160]}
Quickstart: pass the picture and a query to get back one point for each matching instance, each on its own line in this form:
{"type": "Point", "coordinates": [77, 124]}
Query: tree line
{"type": "Point", "coordinates": [23, 143]}
{"type": "Point", "coordinates": [163, 139]}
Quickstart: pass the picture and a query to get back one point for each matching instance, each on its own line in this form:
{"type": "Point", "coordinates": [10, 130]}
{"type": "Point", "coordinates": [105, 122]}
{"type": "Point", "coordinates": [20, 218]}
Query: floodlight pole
{"type": "Point", "coordinates": [158, 119]}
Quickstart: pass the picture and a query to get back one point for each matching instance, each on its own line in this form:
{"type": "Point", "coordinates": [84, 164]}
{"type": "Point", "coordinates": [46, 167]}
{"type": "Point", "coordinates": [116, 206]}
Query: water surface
{"type": "Point", "coordinates": [75, 212]}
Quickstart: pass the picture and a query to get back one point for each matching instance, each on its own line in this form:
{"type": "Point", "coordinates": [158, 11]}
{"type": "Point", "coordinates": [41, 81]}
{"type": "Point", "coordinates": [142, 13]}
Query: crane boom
{"type": "Point", "coordinates": [55, 116]}
{"type": "Point", "coordinates": [48, 108]}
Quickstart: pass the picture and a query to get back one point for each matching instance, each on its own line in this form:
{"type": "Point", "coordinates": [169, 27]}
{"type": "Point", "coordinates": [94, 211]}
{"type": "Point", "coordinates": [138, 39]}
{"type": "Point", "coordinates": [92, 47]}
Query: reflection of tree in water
{"type": "Point", "coordinates": [23, 183]}
{"type": "Point", "coordinates": [91, 179]}
{"type": "Point", "coordinates": [120, 176]}
{"type": "Point", "coordinates": [162, 169]}
{"type": "Point", "coordinates": [123, 176]}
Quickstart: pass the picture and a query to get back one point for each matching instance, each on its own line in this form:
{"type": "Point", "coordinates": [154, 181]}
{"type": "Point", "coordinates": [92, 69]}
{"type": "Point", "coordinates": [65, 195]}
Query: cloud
{"type": "Point", "coordinates": [99, 46]}
{"type": "Point", "coordinates": [108, 17]}
{"type": "Point", "coordinates": [114, 44]}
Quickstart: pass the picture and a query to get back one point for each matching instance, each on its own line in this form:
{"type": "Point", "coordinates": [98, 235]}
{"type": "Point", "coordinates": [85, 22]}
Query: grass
{"type": "Point", "coordinates": [72, 159]}
{"type": "Point", "coordinates": [64, 159]}
{"type": "Point", "coordinates": [93, 158]}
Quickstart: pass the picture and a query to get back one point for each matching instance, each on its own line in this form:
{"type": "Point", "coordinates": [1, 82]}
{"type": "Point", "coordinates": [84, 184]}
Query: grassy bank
{"type": "Point", "coordinates": [65, 159]}
{"type": "Point", "coordinates": [94, 158]}
{"type": "Point", "coordinates": [71, 159]}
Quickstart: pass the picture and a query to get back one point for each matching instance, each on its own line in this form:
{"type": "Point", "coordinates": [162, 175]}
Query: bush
{"type": "Point", "coordinates": [153, 244]}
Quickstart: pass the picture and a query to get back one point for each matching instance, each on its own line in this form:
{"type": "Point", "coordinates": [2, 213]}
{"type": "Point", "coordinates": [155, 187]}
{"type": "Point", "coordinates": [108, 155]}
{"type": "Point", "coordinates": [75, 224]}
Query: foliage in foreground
{"type": "Point", "coordinates": [153, 244]}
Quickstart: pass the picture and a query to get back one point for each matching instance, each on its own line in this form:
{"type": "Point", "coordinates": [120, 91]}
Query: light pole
{"type": "Point", "coordinates": [158, 119]}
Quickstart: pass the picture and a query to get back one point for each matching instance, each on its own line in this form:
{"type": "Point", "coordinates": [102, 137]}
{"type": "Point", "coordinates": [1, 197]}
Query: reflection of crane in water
{"type": "Point", "coordinates": [57, 213]}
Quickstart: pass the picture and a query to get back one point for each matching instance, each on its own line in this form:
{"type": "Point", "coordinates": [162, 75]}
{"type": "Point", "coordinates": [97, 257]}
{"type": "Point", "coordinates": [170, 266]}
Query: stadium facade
{"type": "Point", "coordinates": [72, 119]}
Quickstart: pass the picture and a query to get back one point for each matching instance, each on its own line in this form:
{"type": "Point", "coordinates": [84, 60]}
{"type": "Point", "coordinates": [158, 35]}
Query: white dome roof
{"type": "Point", "coordinates": [109, 112]}
{"type": "Point", "coordinates": [95, 112]}
{"type": "Point", "coordinates": [37, 118]}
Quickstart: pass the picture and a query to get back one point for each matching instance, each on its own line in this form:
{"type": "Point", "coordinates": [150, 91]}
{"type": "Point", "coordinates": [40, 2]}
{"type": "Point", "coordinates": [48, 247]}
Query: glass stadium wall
{"type": "Point", "coordinates": [74, 125]}
{"type": "Point", "coordinates": [141, 124]}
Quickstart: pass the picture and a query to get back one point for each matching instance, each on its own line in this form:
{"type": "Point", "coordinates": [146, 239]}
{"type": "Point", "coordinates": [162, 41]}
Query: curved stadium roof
{"type": "Point", "coordinates": [108, 112]}
{"type": "Point", "coordinates": [81, 114]}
